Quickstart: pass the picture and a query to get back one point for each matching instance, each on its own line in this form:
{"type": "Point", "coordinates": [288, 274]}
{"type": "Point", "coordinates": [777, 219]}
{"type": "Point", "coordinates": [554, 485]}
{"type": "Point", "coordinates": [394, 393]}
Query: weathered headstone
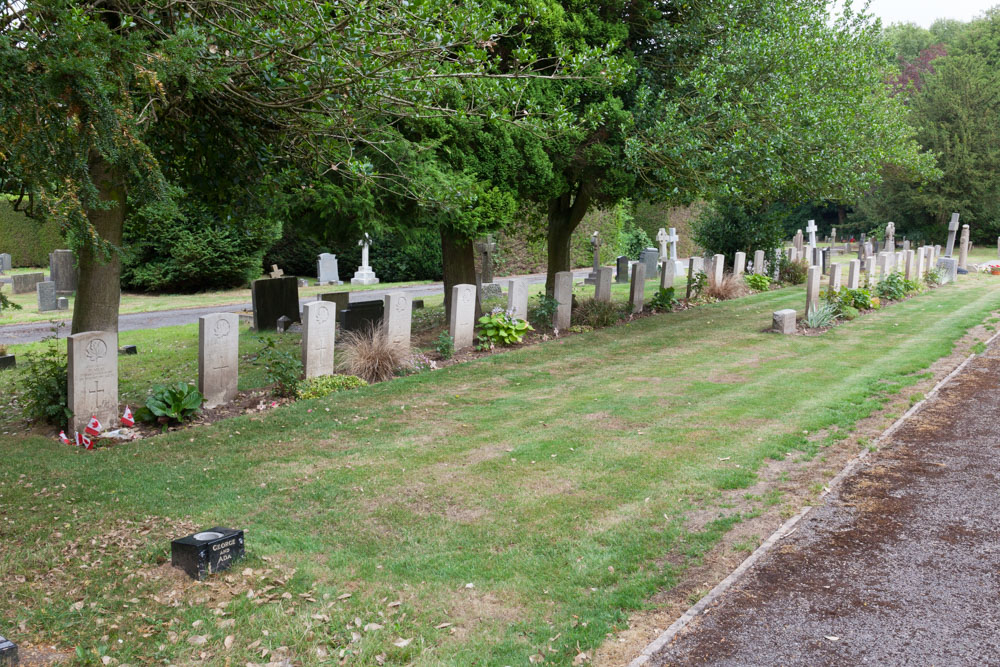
{"type": "Point", "coordinates": [667, 274]}
{"type": "Point", "coordinates": [863, 247]}
{"type": "Point", "coordinates": [364, 275]}
{"type": "Point", "coordinates": [595, 244]}
{"type": "Point", "coordinates": [326, 269]}
{"type": "Point", "coordinates": [463, 315]}
{"type": "Point", "coordinates": [517, 298]}
{"type": "Point", "coordinates": [218, 357]}
{"type": "Point", "coordinates": [812, 288]}
{"type": "Point", "coordinates": [963, 249]}
{"type": "Point", "coordinates": [398, 318]}
{"type": "Point", "coordinates": [486, 249]}
{"type": "Point", "coordinates": [718, 269]}
{"type": "Point", "coordinates": [622, 269]}
{"type": "Point", "coordinates": [952, 230]}
{"type": "Point", "coordinates": [284, 324]}
{"type": "Point", "coordinates": [649, 257]}
{"type": "Point", "coordinates": [319, 329]}
{"type": "Point", "coordinates": [883, 265]}
{"type": "Point", "coordinates": [690, 282]}
{"type": "Point", "coordinates": [342, 301]}
{"type": "Point", "coordinates": [835, 270]}
{"type": "Point", "coordinates": [949, 269]}
{"type": "Point", "coordinates": [906, 244]}
{"type": "Point", "coordinates": [209, 551]}
{"type": "Point", "coordinates": [784, 321]}
{"type": "Point", "coordinates": [22, 283]}
{"type": "Point", "coordinates": [793, 254]}
{"type": "Point", "coordinates": [46, 291]}
{"type": "Point", "coordinates": [797, 241]}
{"type": "Point", "coordinates": [739, 263]}
{"type": "Point", "coordinates": [890, 237]}
{"type": "Point", "coordinates": [362, 315]}
{"type": "Point", "coordinates": [273, 298]}
{"type": "Point", "coordinates": [854, 274]}
{"type": "Point", "coordinates": [758, 262]}
{"type": "Point", "coordinates": [62, 303]}
{"type": "Point", "coordinates": [5, 263]}
{"type": "Point", "coordinates": [490, 291]}
{"type": "Point", "coordinates": [637, 290]}
{"type": "Point", "coordinates": [602, 291]}
{"type": "Point", "coordinates": [563, 293]}
{"type": "Point", "coordinates": [833, 237]}
{"type": "Point", "coordinates": [92, 390]}
{"type": "Point", "coordinates": [661, 239]}
{"type": "Point", "coordinates": [699, 265]}
{"type": "Point", "coordinates": [275, 272]}
{"type": "Point", "coordinates": [63, 271]}
{"type": "Point", "coordinates": [811, 229]}
{"type": "Point", "coordinates": [909, 264]}
{"type": "Point", "coordinates": [919, 262]}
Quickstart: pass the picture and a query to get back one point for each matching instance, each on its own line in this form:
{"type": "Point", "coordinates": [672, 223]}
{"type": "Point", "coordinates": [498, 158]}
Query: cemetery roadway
{"type": "Point", "coordinates": [11, 334]}
{"type": "Point", "coordinates": [901, 565]}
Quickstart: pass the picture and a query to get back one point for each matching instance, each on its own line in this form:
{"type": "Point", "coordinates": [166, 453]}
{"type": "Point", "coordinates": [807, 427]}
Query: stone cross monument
{"type": "Point", "coordinates": [811, 229]}
{"type": "Point", "coordinates": [364, 275]}
{"type": "Point", "coordinates": [952, 229]}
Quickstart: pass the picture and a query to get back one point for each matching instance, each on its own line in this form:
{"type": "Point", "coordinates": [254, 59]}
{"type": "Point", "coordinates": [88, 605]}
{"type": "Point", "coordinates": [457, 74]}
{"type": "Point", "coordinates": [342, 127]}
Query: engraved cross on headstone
{"type": "Point", "coordinates": [952, 230]}
{"type": "Point", "coordinates": [811, 228]}
{"type": "Point", "coordinates": [96, 392]}
{"type": "Point", "coordinates": [276, 272]}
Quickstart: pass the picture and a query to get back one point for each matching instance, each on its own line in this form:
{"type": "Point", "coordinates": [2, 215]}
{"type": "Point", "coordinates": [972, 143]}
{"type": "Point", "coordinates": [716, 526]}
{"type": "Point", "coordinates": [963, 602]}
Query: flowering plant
{"type": "Point", "coordinates": [501, 327]}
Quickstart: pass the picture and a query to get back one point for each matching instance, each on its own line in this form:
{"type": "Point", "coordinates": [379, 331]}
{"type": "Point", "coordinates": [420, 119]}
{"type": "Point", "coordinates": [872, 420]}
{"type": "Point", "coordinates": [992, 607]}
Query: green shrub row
{"type": "Point", "coordinates": [28, 241]}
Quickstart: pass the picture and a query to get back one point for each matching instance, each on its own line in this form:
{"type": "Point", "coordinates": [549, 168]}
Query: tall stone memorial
{"type": "Point", "coordinates": [397, 319]}
{"type": "Point", "coordinates": [637, 290]}
{"type": "Point", "coordinates": [812, 229]}
{"type": "Point", "coordinates": [649, 257]}
{"type": "Point", "coordinates": [919, 262]}
{"type": "Point", "coordinates": [517, 298]}
{"type": "Point", "coordinates": [462, 322]}
{"type": "Point", "coordinates": [6, 265]}
{"type": "Point", "coordinates": [92, 391]}
{"type": "Point", "coordinates": [835, 270]}
{"type": "Point", "coordinates": [718, 269]}
{"type": "Point", "coordinates": [319, 328]}
{"type": "Point", "coordinates": [963, 249]}
{"type": "Point", "coordinates": [812, 288]}
{"type": "Point", "coordinates": [890, 237]}
{"type": "Point", "coordinates": [667, 274]}
{"type": "Point", "coordinates": [595, 244]}
{"type": "Point", "coordinates": [739, 263]}
{"type": "Point", "coordinates": [563, 293]}
{"type": "Point", "coordinates": [758, 262]}
{"type": "Point", "coordinates": [218, 357]}
{"type": "Point", "coordinates": [364, 275]}
{"type": "Point", "coordinates": [622, 269]}
{"type": "Point", "coordinates": [854, 274]}
{"type": "Point", "coordinates": [63, 271]}
{"type": "Point", "coordinates": [952, 230]}
{"type": "Point", "coordinates": [326, 269]}
{"type": "Point", "coordinates": [486, 250]}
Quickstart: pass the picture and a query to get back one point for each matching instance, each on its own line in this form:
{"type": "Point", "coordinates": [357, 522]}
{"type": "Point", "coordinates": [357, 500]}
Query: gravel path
{"type": "Point", "coordinates": [35, 331]}
{"type": "Point", "coordinates": [901, 565]}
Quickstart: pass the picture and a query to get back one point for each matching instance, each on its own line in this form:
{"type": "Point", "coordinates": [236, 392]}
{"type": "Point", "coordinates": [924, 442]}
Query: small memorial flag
{"type": "Point", "coordinates": [93, 427]}
{"type": "Point", "coordinates": [127, 418]}
{"type": "Point", "coordinates": [63, 439]}
{"type": "Point", "coordinates": [84, 441]}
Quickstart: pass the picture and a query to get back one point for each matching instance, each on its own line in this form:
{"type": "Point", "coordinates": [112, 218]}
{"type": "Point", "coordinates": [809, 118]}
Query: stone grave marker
{"type": "Point", "coordinates": [883, 265]}
{"type": "Point", "coordinates": [47, 299]}
{"type": "Point", "coordinates": [909, 263]}
{"type": "Point", "coordinates": [784, 321]}
{"type": "Point", "coordinates": [92, 391]}
{"type": "Point", "coordinates": [5, 263]}
{"type": "Point", "coordinates": [218, 357]}
{"type": "Point", "coordinates": [63, 271]}
{"type": "Point", "coordinates": [622, 267]}
{"type": "Point", "coordinates": [698, 264]}
{"type": "Point", "coordinates": [919, 263]}
{"type": "Point", "coordinates": [486, 249]}
{"type": "Point", "coordinates": [672, 239]}
{"type": "Point", "coordinates": [949, 268]}
{"type": "Point", "coordinates": [602, 290]}
{"type": "Point", "coordinates": [342, 301]}
{"type": "Point", "coordinates": [326, 269]}
{"type": "Point", "coordinates": [517, 297]}
{"type": "Point", "coordinates": [661, 240]}
{"type": "Point", "coordinates": [797, 241]}
{"type": "Point", "coordinates": [275, 272]}
{"type": "Point", "coordinates": [463, 315]}
{"type": "Point", "coordinates": [906, 244]}
{"type": "Point", "coordinates": [667, 274]}
{"type": "Point", "coordinates": [212, 550]}
{"type": "Point", "coordinates": [595, 244]}
{"type": "Point", "coordinates": [563, 293]}
{"type": "Point", "coordinates": [62, 303]}
{"type": "Point", "coordinates": [812, 288]}
{"type": "Point", "coordinates": [319, 329]}
{"type": "Point", "coordinates": [835, 270]}
{"type": "Point", "coordinates": [364, 275]}
{"type": "Point", "coordinates": [361, 315]}
{"type": "Point", "coordinates": [490, 291]}
{"type": "Point", "coordinates": [952, 230]}
{"type": "Point", "coordinates": [854, 274]}
{"type": "Point", "coordinates": [637, 290]}
{"type": "Point", "coordinates": [811, 230]}
{"type": "Point", "coordinates": [284, 324]}
{"type": "Point", "coordinates": [718, 269]}
{"type": "Point", "coordinates": [758, 262]}
{"type": "Point", "coordinates": [833, 237]}
{"type": "Point", "coordinates": [890, 237]}
{"type": "Point", "coordinates": [397, 320]}
{"type": "Point", "coordinates": [8, 653]}
{"type": "Point", "coordinates": [22, 283]}
{"type": "Point", "coordinates": [690, 282]}
{"type": "Point", "coordinates": [739, 263]}
{"type": "Point", "coordinates": [963, 249]}
{"type": "Point", "coordinates": [273, 298]}
{"type": "Point", "coordinates": [649, 257]}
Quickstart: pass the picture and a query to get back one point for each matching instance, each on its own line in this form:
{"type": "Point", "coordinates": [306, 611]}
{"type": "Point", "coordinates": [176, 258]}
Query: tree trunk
{"type": "Point", "coordinates": [841, 216]}
{"type": "Point", "coordinates": [458, 261]}
{"type": "Point", "coordinates": [565, 214]}
{"type": "Point", "coordinates": [99, 289]}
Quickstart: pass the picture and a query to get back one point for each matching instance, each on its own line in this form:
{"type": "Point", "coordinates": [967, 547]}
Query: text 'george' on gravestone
{"type": "Point", "coordinates": [212, 550]}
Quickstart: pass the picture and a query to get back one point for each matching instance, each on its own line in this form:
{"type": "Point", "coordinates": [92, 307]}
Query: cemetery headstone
{"type": "Point", "coordinates": [797, 241]}
{"type": "Point", "coordinates": [62, 303]}
{"type": "Point", "coordinates": [854, 274]}
{"type": "Point", "coordinates": [273, 298]}
{"type": "Point", "coordinates": [906, 245]}
{"type": "Point", "coordinates": [869, 266]}
{"type": "Point", "coordinates": [661, 239]}
{"type": "Point", "coordinates": [690, 282]}
{"type": "Point", "coordinates": [342, 301]}
{"type": "Point", "coordinates": [637, 290]}
{"type": "Point", "coordinates": [319, 329]}
{"type": "Point", "coordinates": [876, 247]}
{"type": "Point", "coordinates": [835, 270]}
{"type": "Point", "coordinates": [517, 297]}
{"type": "Point", "coordinates": [667, 274]}
{"type": "Point", "coordinates": [5, 263]}
{"type": "Point", "coordinates": [952, 230]}
{"type": "Point", "coordinates": [486, 249]}
{"type": "Point", "coordinates": [218, 357]}
{"type": "Point", "coordinates": [649, 257]}
{"type": "Point", "coordinates": [718, 268]}
{"type": "Point", "coordinates": [595, 244]}
{"type": "Point", "coordinates": [47, 299]}
{"type": "Point", "coordinates": [326, 269]}
{"type": "Point", "coordinates": [863, 247]}
{"type": "Point", "coordinates": [883, 265]}
{"type": "Point", "coordinates": [364, 275]}
{"type": "Point", "coordinates": [910, 265]}
{"type": "Point", "coordinates": [758, 262]}
{"type": "Point", "coordinates": [602, 291]}
{"type": "Point", "coordinates": [397, 320]}
{"type": "Point", "coordinates": [963, 249]}
{"type": "Point", "coordinates": [212, 550]}
{"type": "Point", "coordinates": [890, 237]}
{"type": "Point", "coordinates": [811, 229]}
{"type": "Point", "coordinates": [463, 316]}
{"type": "Point", "coordinates": [949, 269]}
{"type": "Point", "coordinates": [672, 239]}
{"type": "Point", "coordinates": [784, 321]}
{"type": "Point", "coordinates": [740, 263]}
{"type": "Point", "coordinates": [22, 283]}
{"type": "Point", "coordinates": [92, 391]}
{"type": "Point", "coordinates": [919, 262]}
{"type": "Point", "coordinates": [131, 350]}
{"type": "Point", "coordinates": [833, 237]}
{"type": "Point", "coordinates": [63, 271]}
{"type": "Point", "coordinates": [284, 324]}
{"type": "Point", "coordinates": [360, 315]}
{"type": "Point", "coordinates": [812, 288]}
{"type": "Point", "coordinates": [563, 293]}
{"type": "Point", "coordinates": [275, 272]}
{"type": "Point", "coordinates": [622, 269]}
{"type": "Point", "coordinates": [699, 266]}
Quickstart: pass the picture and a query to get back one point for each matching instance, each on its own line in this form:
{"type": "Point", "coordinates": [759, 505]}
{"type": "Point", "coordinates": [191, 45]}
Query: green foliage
{"type": "Point", "coordinates": [758, 282]}
{"type": "Point", "coordinates": [893, 287]}
{"type": "Point", "coordinates": [848, 312]}
{"type": "Point", "coordinates": [325, 385]}
{"type": "Point", "coordinates": [499, 327]}
{"type": "Point", "coordinates": [792, 273]}
{"type": "Point", "coordinates": [541, 314]}
{"type": "Point", "coordinates": [698, 284]}
{"type": "Point", "coordinates": [44, 385]}
{"type": "Point", "coordinates": [596, 314]}
{"type": "Point", "coordinates": [727, 228]}
{"type": "Point", "coordinates": [820, 316]}
{"type": "Point", "coordinates": [445, 345]}
{"type": "Point", "coordinates": [664, 299]}
{"type": "Point", "coordinates": [171, 403]}
{"type": "Point", "coordinates": [282, 369]}
{"type": "Point", "coordinates": [413, 254]}
{"type": "Point", "coordinates": [28, 241]}
{"type": "Point", "coordinates": [934, 277]}
{"type": "Point", "coordinates": [6, 303]}
{"type": "Point", "coordinates": [295, 252]}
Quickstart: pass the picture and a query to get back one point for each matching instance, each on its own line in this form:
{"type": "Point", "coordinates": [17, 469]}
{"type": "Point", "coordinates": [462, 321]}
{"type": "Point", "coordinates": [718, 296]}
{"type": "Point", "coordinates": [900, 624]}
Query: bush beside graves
{"type": "Point", "coordinates": [28, 241]}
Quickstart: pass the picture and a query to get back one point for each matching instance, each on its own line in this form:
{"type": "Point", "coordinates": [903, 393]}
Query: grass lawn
{"type": "Point", "coordinates": [520, 505]}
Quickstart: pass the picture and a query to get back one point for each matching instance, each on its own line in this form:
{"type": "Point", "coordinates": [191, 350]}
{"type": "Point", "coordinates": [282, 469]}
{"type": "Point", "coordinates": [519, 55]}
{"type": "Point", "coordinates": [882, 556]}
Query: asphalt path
{"type": "Point", "coordinates": [35, 331]}
{"type": "Point", "coordinates": [901, 565]}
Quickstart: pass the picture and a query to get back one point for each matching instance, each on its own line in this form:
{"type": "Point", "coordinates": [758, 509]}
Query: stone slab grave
{"type": "Point", "coordinates": [6, 265]}
{"type": "Point", "coordinates": [63, 271]}
{"type": "Point", "coordinates": [963, 249]}
{"type": "Point", "coordinates": [273, 298]}
{"type": "Point", "coordinates": [758, 262]}
{"type": "Point", "coordinates": [341, 299]}
{"type": "Point", "coordinates": [364, 275]}
{"type": "Point", "coordinates": [8, 653]}
{"type": "Point", "coordinates": [698, 265]}
{"type": "Point", "coordinates": [517, 297]}
{"type": "Point", "coordinates": [649, 258]}
{"type": "Point", "coordinates": [602, 290]}
{"type": "Point", "coordinates": [835, 271]}
{"type": "Point", "coordinates": [739, 263]}
{"type": "Point", "coordinates": [62, 303]}
{"type": "Point", "coordinates": [213, 550]}
{"type": "Point", "coordinates": [949, 269]}
{"type": "Point", "coordinates": [92, 358]}
{"type": "Point", "coordinates": [910, 264]}
{"type": "Point", "coordinates": [490, 291]}
{"type": "Point", "coordinates": [326, 269]}
{"type": "Point", "coordinates": [667, 270]}
{"type": "Point", "coordinates": [595, 244]}
{"type": "Point", "coordinates": [486, 249]}
{"type": "Point", "coordinates": [919, 262]}
{"type": "Point", "coordinates": [812, 288]}
{"type": "Point", "coordinates": [783, 321]}
{"type": "Point", "coordinates": [23, 283]}
{"type": "Point", "coordinates": [622, 264]}
{"type": "Point", "coordinates": [319, 328]}
{"type": "Point", "coordinates": [718, 269]}
{"type": "Point", "coordinates": [218, 357]}
{"type": "Point", "coordinates": [462, 322]}
{"type": "Point", "coordinates": [637, 290]}
{"type": "Point", "coordinates": [812, 229]}
{"type": "Point", "coordinates": [47, 299]}
{"type": "Point", "coordinates": [361, 315]}
{"type": "Point", "coordinates": [563, 293]}
{"type": "Point", "coordinates": [854, 274]}
{"type": "Point", "coordinates": [398, 318]}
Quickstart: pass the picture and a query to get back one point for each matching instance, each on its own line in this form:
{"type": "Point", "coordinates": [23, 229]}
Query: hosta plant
{"type": "Point", "coordinates": [500, 327]}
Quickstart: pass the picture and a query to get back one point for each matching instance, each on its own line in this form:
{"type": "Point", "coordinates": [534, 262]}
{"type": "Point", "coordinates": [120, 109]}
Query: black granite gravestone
{"type": "Point", "coordinates": [129, 349]}
{"type": "Point", "coordinates": [206, 552]}
{"type": "Point", "coordinates": [272, 298]}
{"type": "Point", "coordinates": [8, 653]}
{"type": "Point", "coordinates": [622, 275]}
{"type": "Point", "coordinates": [342, 299]}
{"type": "Point", "coordinates": [361, 314]}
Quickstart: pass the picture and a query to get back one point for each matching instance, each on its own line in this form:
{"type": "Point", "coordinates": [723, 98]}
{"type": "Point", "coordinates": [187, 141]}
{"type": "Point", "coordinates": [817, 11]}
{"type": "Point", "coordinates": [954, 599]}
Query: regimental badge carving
{"type": "Point", "coordinates": [222, 328]}
{"type": "Point", "coordinates": [96, 350]}
{"type": "Point", "coordinates": [466, 296]}
{"type": "Point", "coordinates": [322, 315]}
{"type": "Point", "coordinates": [401, 304]}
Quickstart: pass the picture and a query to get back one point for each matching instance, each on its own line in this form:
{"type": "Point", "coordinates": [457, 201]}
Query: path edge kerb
{"type": "Point", "coordinates": [789, 526]}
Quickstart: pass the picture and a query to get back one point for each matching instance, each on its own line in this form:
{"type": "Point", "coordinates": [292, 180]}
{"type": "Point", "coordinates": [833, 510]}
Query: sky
{"type": "Point", "coordinates": [925, 12]}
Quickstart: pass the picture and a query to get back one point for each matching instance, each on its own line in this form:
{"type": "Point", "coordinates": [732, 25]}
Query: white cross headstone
{"type": "Point", "coordinates": [364, 275]}
{"type": "Point", "coordinates": [661, 239]}
{"type": "Point", "coordinates": [811, 228]}
{"type": "Point", "coordinates": [276, 272]}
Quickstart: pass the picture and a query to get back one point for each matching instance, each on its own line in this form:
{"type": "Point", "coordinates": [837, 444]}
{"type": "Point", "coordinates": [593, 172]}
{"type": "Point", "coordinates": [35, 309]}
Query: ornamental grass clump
{"type": "Point", "coordinates": [596, 314]}
{"type": "Point", "coordinates": [368, 354]}
{"type": "Point", "coordinates": [730, 287]}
